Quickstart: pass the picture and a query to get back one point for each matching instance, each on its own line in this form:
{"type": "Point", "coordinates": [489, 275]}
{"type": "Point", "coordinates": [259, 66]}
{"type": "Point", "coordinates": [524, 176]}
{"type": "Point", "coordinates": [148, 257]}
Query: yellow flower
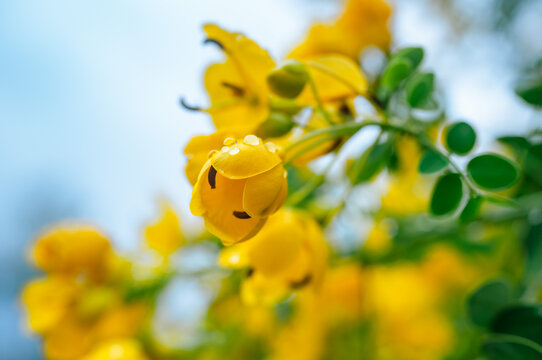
{"type": "Point", "coordinates": [238, 188]}
{"type": "Point", "coordinates": [335, 77]}
{"type": "Point", "coordinates": [342, 292]}
{"type": "Point", "coordinates": [71, 249]}
{"type": "Point", "coordinates": [119, 349]}
{"type": "Point", "coordinates": [165, 236]}
{"type": "Point", "coordinates": [410, 326]}
{"type": "Point", "coordinates": [288, 253]}
{"type": "Point", "coordinates": [407, 192]}
{"type": "Point", "coordinates": [47, 300]}
{"type": "Point", "coordinates": [197, 151]}
{"type": "Point", "coordinates": [238, 87]}
{"type": "Point", "coordinates": [363, 23]}
{"type": "Point", "coordinates": [378, 240]}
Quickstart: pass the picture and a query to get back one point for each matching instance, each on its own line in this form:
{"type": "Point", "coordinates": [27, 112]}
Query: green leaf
{"type": "Point", "coordinates": [397, 70]}
{"type": "Point", "coordinates": [373, 160]}
{"type": "Point", "coordinates": [533, 162]}
{"type": "Point", "coordinates": [460, 138]}
{"type": "Point", "coordinates": [447, 194]}
{"type": "Point", "coordinates": [431, 162]}
{"type": "Point", "coordinates": [484, 303]}
{"type": "Point", "coordinates": [471, 209]}
{"type": "Point", "coordinates": [521, 320]}
{"type": "Point", "coordinates": [533, 247]}
{"type": "Point", "coordinates": [518, 143]}
{"type": "Point", "coordinates": [413, 54]}
{"type": "Point", "coordinates": [531, 94]}
{"type": "Point", "coordinates": [419, 89]}
{"type": "Point", "coordinates": [493, 172]}
{"type": "Point", "coordinates": [511, 348]}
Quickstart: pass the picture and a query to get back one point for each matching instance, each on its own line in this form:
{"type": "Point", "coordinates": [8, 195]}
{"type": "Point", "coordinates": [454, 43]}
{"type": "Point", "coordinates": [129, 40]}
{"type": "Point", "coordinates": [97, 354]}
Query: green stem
{"type": "Point", "coordinates": [319, 104]}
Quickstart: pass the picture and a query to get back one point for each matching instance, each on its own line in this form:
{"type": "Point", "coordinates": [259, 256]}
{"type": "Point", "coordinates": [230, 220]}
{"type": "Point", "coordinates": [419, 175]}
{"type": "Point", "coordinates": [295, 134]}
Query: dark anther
{"type": "Point", "coordinates": [250, 271]}
{"type": "Point", "coordinates": [299, 284]}
{"type": "Point", "coordinates": [344, 109]}
{"type": "Point", "coordinates": [241, 215]}
{"type": "Point", "coordinates": [188, 106]}
{"type": "Point", "coordinates": [213, 41]}
{"type": "Point", "coordinates": [211, 177]}
{"type": "Point", "coordinates": [237, 90]}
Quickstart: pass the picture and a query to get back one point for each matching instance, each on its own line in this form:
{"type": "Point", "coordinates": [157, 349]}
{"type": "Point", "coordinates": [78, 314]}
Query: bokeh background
{"type": "Point", "coordinates": [90, 126]}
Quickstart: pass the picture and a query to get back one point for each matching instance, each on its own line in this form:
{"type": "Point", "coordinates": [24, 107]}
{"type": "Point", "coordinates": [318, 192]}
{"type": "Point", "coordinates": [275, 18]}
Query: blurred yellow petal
{"type": "Point", "coordinates": [118, 349]}
{"type": "Point", "coordinates": [261, 192]}
{"type": "Point", "coordinates": [363, 23]}
{"type": "Point", "coordinates": [69, 340]}
{"type": "Point", "coordinates": [278, 246]}
{"type": "Point", "coordinates": [235, 257]}
{"type": "Point", "coordinates": [47, 300]}
{"type": "Point", "coordinates": [120, 321]}
{"type": "Point", "coordinates": [165, 236]}
{"type": "Point", "coordinates": [71, 249]}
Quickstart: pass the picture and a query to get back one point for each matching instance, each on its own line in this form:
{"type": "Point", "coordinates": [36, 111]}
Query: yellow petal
{"type": "Point", "coordinates": [221, 205]}
{"type": "Point", "coordinates": [363, 23]}
{"type": "Point", "coordinates": [197, 151]}
{"type": "Point", "coordinates": [261, 290]}
{"type": "Point", "coordinates": [120, 321]}
{"type": "Point", "coordinates": [264, 193]}
{"type": "Point", "coordinates": [118, 349]}
{"type": "Point", "coordinates": [336, 77]}
{"type": "Point", "coordinates": [251, 61]}
{"type": "Point", "coordinates": [47, 300]}
{"type": "Point", "coordinates": [165, 236]}
{"type": "Point", "coordinates": [71, 249]}
{"type": "Point", "coordinates": [235, 257]}
{"type": "Point", "coordinates": [243, 160]}
{"type": "Point", "coordinates": [69, 340]}
{"type": "Point", "coordinates": [278, 245]}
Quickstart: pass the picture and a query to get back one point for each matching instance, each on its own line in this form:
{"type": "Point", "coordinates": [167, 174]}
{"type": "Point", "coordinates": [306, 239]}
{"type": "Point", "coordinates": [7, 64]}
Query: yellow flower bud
{"type": "Point", "coordinates": [288, 80]}
{"type": "Point", "coordinates": [277, 124]}
{"type": "Point", "coordinates": [238, 188]}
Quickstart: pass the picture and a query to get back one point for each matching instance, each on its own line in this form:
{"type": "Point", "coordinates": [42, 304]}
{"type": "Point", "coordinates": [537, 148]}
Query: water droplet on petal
{"type": "Point", "coordinates": [271, 147]}
{"type": "Point", "coordinates": [251, 140]}
{"type": "Point", "coordinates": [211, 153]}
{"type": "Point", "coordinates": [225, 149]}
{"type": "Point", "coordinates": [234, 151]}
{"type": "Point", "coordinates": [229, 141]}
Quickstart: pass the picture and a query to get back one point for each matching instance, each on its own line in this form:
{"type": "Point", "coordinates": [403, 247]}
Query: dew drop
{"type": "Point", "coordinates": [251, 140]}
{"type": "Point", "coordinates": [234, 151]}
{"type": "Point", "coordinates": [271, 147]}
{"type": "Point", "coordinates": [225, 149]}
{"type": "Point", "coordinates": [229, 141]}
{"type": "Point", "coordinates": [211, 153]}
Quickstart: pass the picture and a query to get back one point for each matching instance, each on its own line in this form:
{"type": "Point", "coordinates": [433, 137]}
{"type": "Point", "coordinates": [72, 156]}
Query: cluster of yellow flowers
{"type": "Point", "coordinates": [87, 305]}
{"type": "Point", "coordinates": [295, 293]}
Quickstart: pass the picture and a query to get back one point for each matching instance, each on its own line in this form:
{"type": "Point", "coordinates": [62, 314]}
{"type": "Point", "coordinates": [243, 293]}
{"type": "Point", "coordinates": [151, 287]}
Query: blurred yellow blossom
{"type": "Point", "coordinates": [288, 253]}
{"type": "Point", "coordinates": [238, 87]}
{"type": "Point", "coordinates": [363, 23]}
{"type": "Point", "coordinates": [238, 188]}
{"type": "Point", "coordinates": [70, 249]}
{"type": "Point", "coordinates": [165, 236]}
